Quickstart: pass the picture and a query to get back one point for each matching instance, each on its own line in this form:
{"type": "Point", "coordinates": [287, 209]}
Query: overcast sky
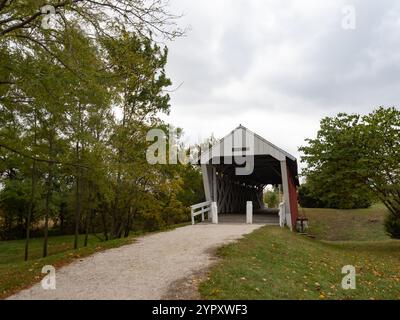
{"type": "Point", "coordinates": [278, 67]}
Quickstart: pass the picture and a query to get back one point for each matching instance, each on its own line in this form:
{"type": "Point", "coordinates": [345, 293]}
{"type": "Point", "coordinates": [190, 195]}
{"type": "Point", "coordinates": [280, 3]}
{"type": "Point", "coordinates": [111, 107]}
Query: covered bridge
{"type": "Point", "coordinates": [239, 167]}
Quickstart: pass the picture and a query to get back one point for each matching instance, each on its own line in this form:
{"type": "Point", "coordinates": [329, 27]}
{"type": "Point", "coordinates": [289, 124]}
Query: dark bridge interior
{"type": "Point", "coordinates": [233, 191]}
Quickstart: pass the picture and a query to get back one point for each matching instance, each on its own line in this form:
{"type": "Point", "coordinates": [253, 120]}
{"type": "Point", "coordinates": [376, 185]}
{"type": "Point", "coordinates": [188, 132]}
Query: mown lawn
{"type": "Point", "coordinates": [343, 225]}
{"type": "Point", "coordinates": [15, 274]}
{"type": "Point", "coordinates": [274, 263]}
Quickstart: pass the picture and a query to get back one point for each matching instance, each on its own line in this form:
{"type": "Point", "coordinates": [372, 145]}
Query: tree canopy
{"type": "Point", "coordinates": [354, 158]}
{"type": "Point", "coordinates": [76, 102]}
{"type": "Point", "coordinates": [335, 172]}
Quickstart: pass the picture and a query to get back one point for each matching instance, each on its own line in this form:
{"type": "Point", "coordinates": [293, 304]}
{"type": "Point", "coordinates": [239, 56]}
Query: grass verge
{"type": "Point", "coordinates": [274, 263]}
{"type": "Point", "coordinates": [344, 225]}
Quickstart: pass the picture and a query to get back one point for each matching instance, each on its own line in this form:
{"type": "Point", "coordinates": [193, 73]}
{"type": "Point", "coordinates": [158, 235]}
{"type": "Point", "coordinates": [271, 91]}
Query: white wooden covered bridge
{"type": "Point", "coordinates": [235, 172]}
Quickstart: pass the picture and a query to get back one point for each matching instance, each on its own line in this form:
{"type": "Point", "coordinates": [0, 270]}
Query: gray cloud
{"type": "Point", "coordinates": [290, 62]}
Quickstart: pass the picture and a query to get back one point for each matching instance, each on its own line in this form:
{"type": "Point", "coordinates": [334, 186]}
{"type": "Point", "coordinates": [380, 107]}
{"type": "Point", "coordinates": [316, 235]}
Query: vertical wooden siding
{"type": "Point", "coordinates": [292, 197]}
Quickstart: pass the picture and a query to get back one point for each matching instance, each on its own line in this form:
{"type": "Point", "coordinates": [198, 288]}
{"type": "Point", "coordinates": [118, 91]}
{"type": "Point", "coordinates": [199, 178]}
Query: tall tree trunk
{"type": "Point", "coordinates": [33, 191]}
{"type": "Point", "coordinates": [104, 221]}
{"type": "Point", "coordinates": [78, 203]}
{"type": "Point", "coordinates": [62, 218]}
{"type": "Point", "coordinates": [78, 176]}
{"type": "Point", "coordinates": [48, 200]}
{"type": "Point", "coordinates": [30, 211]}
{"type": "Point", "coordinates": [89, 227]}
{"type": "Point", "coordinates": [89, 216]}
{"type": "Point", "coordinates": [46, 218]}
{"type": "Point", "coordinates": [86, 230]}
{"type": "Point", "coordinates": [116, 222]}
{"type": "Point", "coordinates": [128, 223]}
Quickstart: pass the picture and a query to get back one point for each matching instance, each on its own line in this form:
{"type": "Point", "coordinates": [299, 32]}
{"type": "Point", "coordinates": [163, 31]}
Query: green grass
{"type": "Point", "coordinates": [274, 263]}
{"type": "Point", "coordinates": [16, 274]}
{"type": "Point", "coordinates": [344, 225]}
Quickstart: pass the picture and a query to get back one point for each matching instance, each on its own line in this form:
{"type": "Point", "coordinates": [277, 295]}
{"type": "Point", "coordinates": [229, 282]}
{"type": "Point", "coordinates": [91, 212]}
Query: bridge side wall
{"type": "Point", "coordinates": [294, 211]}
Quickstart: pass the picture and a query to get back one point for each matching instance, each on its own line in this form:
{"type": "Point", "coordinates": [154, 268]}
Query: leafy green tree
{"type": "Point", "coordinates": [76, 102]}
{"type": "Point", "coordinates": [381, 136]}
{"type": "Point", "coordinates": [137, 69]}
{"type": "Point", "coordinates": [335, 172]}
{"type": "Point", "coordinates": [307, 199]}
{"type": "Point", "coordinates": [353, 156]}
{"type": "Point", "coordinates": [381, 149]}
{"type": "Point", "coordinates": [192, 190]}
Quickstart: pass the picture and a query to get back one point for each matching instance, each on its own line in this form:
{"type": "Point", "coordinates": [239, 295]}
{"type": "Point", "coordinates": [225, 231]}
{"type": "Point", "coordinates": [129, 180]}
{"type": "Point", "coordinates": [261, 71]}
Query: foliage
{"type": "Point", "coordinates": [392, 226]}
{"type": "Point", "coordinates": [381, 149]}
{"type": "Point", "coordinates": [193, 191]}
{"type": "Point", "coordinates": [335, 174]}
{"type": "Point", "coordinates": [353, 156]}
{"type": "Point", "coordinates": [76, 102]}
{"type": "Point", "coordinates": [307, 199]}
{"type": "Point", "coordinates": [271, 198]}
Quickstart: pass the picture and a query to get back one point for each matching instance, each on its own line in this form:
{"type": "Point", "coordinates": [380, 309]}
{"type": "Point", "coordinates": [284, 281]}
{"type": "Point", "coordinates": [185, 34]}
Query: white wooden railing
{"type": "Point", "coordinates": [200, 208]}
{"type": "Point", "coordinates": [282, 214]}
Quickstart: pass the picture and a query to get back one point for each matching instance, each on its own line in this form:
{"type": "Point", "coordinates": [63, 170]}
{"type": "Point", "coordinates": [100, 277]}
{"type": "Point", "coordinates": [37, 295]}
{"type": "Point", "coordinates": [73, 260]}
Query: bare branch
{"type": "Point", "coordinates": [39, 159]}
{"type": "Point", "coordinates": [33, 17]}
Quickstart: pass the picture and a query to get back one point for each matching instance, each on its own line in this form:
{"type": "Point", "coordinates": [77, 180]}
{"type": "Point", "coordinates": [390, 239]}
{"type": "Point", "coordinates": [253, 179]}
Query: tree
{"type": "Point", "coordinates": [381, 149]}
{"type": "Point", "coordinates": [355, 155]}
{"type": "Point", "coordinates": [137, 68]}
{"type": "Point", "coordinates": [307, 199]}
{"type": "Point", "coordinates": [65, 156]}
{"type": "Point", "coordinates": [335, 172]}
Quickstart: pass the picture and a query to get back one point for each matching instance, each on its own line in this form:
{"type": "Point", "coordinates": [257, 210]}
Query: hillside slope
{"type": "Point", "coordinates": [274, 263]}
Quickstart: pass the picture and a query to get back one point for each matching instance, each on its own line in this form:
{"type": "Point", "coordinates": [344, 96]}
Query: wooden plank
{"type": "Point", "coordinates": [285, 184]}
{"type": "Point", "coordinates": [199, 205]}
{"type": "Point", "coordinates": [204, 210]}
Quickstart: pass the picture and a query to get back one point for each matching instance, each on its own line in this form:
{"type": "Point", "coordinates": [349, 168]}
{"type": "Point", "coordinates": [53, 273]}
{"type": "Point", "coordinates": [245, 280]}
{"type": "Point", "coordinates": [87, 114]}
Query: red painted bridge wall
{"type": "Point", "coordinates": [292, 197]}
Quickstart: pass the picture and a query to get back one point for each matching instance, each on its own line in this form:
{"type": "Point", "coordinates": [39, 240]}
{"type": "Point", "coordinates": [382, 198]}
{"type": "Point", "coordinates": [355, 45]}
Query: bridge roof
{"type": "Point", "coordinates": [243, 142]}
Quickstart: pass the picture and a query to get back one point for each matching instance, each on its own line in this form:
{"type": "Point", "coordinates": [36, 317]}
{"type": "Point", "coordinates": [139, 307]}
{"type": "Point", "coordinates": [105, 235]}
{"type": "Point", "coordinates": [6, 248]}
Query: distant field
{"type": "Point", "coordinates": [274, 263]}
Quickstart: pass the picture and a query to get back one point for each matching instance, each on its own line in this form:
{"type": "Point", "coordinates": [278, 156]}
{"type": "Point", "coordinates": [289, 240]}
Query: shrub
{"type": "Point", "coordinates": [307, 199]}
{"type": "Point", "coordinates": [392, 225]}
{"type": "Point", "coordinates": [271, 198]}
{"type": "Point", "coordinates": [312, 197]}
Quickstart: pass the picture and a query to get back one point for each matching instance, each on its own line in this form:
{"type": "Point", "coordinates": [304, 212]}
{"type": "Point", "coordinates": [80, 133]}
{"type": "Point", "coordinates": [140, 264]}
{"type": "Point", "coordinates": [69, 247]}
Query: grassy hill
{"type": "Point", "coordinates": [345, 225]}
{"type": "Point", "coordinates": [274, 263]}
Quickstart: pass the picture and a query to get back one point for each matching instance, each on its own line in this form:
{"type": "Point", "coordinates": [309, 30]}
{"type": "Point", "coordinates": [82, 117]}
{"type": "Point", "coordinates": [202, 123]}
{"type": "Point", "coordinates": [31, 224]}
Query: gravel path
{"type": "Point", "coordinates": [145, 269]}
